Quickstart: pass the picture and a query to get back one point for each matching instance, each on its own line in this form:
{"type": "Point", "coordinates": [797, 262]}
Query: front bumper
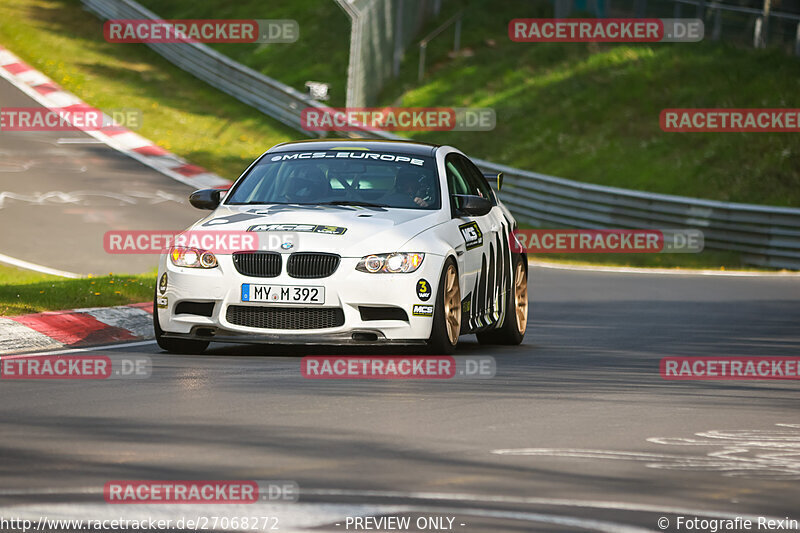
{"type": "Point", "coordinates": [346, 289]}
{"type": "Point", "coordinates": [359, 337]}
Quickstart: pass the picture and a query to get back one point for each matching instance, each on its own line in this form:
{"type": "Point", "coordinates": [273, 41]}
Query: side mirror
{"type": "Point", "coordinates": [492, 176]}
{"type": "Point", "coordinates": [474, 205]}
{"type": "Point", "coordinates": [205, 198]}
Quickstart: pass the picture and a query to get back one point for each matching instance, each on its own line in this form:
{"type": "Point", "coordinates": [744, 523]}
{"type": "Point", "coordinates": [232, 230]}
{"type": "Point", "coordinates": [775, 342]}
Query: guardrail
{"type": "Point", "coordinates": [270, 96]}
{"type": "Point", "coordinates": [767, 236]}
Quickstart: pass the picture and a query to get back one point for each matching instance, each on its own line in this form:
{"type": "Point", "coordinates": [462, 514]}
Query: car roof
{"type": "Point", "coordinates": [400, 147]}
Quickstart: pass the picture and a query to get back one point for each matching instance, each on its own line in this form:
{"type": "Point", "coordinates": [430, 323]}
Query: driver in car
{"type": "Point", "coordinates": [307, 185]}
{"type": "Point", "coordinates": [407, 191]}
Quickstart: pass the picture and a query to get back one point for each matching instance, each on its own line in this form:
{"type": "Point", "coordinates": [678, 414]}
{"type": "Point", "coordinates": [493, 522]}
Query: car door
{"type": "Point", "coordinates": [492, 301]}
{"type": "Point", "coordinates": [476, 247]}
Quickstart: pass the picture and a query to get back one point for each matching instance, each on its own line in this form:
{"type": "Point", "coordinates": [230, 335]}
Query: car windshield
{"type": "Point", "coordinates": [341, 177]}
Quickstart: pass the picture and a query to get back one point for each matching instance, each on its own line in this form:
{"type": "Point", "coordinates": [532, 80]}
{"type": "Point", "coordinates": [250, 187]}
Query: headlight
{"type": "Point", "coordinates": [400, 262]}
{"type": "Point", "coordinates": [183, 256]}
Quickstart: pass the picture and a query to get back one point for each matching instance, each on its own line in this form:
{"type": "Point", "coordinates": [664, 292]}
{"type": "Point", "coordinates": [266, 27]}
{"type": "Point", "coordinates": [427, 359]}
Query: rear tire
{"type": "Point", "coordinates": [179, 346]}
{"type": "Point", "coordinates": [447, 312]}
{"type": "Point", "coordinates": [515, 322]}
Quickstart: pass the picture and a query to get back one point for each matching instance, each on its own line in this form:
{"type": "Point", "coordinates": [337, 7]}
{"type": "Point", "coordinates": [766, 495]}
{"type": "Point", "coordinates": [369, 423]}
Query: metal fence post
{"type": "Point", "coordinates": [421, 72]}
{"type": "Point", "coordinates": [457, 41]}
{"type": "Point", "coordinates": [762, 25]}
{"type": "Point", "coordinates": [717, 31]}
{"type": "Point", "coordinates": [398, 40]}
{"type": "Point", "coordinates": [797, 41]}
{"type": "Point", "coordinates": [562, 8]}
{"type": "Point", "coordinates": [757, 37]}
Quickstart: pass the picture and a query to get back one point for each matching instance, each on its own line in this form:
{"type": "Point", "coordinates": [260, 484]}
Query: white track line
{"type": "Point", "coordinates": [87, 349]}
{"type": "Point", "coordinates": [117, 142]}
{"type": "Point", "coordinates": [38, 268]}
{"type": "Point", "coordinates": [479, 498]}
{"type": "Point", "coordinates": [667, 271]}
{"type": "Point", "coordinates": [77, 140]}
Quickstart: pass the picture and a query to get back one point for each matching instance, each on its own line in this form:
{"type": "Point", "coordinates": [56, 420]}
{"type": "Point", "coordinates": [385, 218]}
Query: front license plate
{"type": "Point", "coordinates": [283, 294]}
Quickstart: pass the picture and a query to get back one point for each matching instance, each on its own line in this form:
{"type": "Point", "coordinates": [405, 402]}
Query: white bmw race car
{"type": "Point", "coordinates": [348, 242]}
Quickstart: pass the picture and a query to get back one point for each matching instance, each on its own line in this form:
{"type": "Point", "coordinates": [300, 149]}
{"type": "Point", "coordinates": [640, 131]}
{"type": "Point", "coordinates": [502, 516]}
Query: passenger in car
{"type": "Point", "coordinates": [408, 191]}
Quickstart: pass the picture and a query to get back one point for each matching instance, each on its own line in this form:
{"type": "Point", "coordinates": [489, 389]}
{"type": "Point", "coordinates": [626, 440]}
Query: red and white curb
{"type": "Point", "coordinates": [49, 94]}
{"type": "Point", "coordinates": [76, 328]}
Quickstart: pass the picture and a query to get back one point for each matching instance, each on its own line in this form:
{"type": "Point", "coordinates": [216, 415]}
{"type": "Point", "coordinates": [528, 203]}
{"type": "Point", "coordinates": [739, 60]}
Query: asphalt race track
{"type": "Point", "coordinates": [61, 191]}
{"type": "Point", "coordinates": [577, 431]}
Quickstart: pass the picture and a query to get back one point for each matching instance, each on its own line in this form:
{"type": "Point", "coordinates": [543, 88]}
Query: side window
{"type": "Point", "coordinates": [457, 181]}
{"type": "Point", "coordinates": [476, 180]}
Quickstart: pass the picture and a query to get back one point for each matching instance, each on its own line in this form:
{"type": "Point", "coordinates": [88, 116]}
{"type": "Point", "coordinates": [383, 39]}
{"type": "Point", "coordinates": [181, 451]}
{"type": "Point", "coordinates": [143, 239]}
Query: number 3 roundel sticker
{"type": "Point", "coordinates": [423, 290]}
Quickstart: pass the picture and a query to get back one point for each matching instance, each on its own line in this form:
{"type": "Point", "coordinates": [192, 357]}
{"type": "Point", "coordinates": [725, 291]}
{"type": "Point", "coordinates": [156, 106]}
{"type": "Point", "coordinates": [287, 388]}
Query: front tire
{"type": "Point", "coordinates": [447, 312]}
{"type": "Point", "coordinates": [515, 323]}
{"type": "Point", "coordinates": [179, 346]}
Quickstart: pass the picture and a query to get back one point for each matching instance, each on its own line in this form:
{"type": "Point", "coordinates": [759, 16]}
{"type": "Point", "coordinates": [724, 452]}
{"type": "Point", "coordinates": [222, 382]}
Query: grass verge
{"type": "Point", "coordinates": [590, 112]}
{"type": "Point", "coordinates": [320, 54]}
{"type": "Point", "coordinates": [25, 292]}
{"type": "Point", "coordinates": [586, 112]}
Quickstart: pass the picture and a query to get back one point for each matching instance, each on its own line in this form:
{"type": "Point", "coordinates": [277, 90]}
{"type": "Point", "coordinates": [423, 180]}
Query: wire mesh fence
{"type": "Point", "coordinates": [741, 22]}
{"type": "Point", "coordinates": [381, 31]}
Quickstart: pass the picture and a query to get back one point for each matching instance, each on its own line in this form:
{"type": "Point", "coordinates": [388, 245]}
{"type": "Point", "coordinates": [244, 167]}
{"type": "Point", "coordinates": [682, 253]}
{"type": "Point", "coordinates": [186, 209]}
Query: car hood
{"type": "Point", "coordinates": [349, 231]}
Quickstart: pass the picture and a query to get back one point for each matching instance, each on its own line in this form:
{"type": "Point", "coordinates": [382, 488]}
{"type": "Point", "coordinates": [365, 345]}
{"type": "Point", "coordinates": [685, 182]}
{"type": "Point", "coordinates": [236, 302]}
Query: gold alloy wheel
{"type": "Point", "coordinates": [452, 304]}
{"type": "Point", "coordinates": [521, 297]}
